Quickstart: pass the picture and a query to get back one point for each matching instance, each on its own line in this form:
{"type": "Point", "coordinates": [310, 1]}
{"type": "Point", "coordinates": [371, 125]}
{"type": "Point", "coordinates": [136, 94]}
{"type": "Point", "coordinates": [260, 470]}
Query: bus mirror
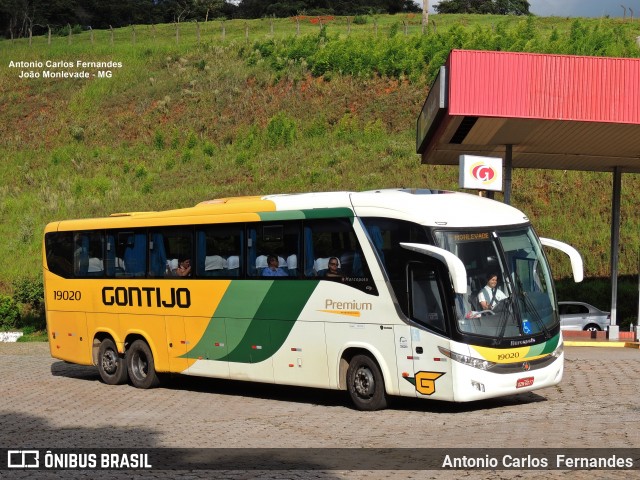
{"type": "Point", "coordinates": [454, 264]}
{"type": "Point", "coordinates": [574, 256]}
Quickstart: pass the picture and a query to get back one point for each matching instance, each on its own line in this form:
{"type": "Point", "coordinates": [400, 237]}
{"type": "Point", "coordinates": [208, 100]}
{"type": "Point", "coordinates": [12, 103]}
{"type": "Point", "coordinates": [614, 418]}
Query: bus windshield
{"type": "Point", "coordinates": [510, 291]}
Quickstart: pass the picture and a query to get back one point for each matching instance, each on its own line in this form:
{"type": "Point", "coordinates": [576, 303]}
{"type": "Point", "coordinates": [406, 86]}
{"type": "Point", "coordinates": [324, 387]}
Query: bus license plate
{"type": "Point", "coordinates": [524, 382]}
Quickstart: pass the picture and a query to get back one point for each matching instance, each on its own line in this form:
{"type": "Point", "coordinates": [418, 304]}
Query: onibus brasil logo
{"type": "Point", "coordinates": [483, 173]}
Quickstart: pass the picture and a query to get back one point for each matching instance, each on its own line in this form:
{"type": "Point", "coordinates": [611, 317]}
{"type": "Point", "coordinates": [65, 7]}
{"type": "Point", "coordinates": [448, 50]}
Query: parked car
{"type": "Point", "coordinates": [582, 316]}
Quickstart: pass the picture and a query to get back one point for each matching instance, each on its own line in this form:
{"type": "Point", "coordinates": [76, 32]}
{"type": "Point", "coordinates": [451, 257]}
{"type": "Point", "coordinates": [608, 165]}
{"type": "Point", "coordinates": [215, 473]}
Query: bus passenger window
{"type": "Point", "coordinates": [425, 298]}
{"type": "Point", "coordinates": [59, 253]}
{"type": "Point", "coordinates": [171, 252]}
{"type": "Point", "coordinates": [280, 239]}
{"type": "Point", "coordinates": [88, 254]}
{"type": "Point", "coordinates": [131, 254]}
{"type": "Point", "coordinates": [218, 250]}
{"type": "Point", "coordinates": [333, 240]}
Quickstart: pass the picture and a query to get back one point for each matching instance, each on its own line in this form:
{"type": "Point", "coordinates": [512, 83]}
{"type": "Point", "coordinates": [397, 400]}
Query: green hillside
{"type": "Point", "coordinates": [215, 109]}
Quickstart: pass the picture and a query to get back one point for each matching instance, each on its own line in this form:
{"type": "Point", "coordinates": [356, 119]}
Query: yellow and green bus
{"type": "Point", "coordinates": [376, 293]}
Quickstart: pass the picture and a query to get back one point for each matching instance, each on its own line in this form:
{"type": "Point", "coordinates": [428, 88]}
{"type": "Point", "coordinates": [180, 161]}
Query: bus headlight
{"type": "Point", "coordinates": [558, 351]}
{"type": "Point", "coordinates": [478, 363]}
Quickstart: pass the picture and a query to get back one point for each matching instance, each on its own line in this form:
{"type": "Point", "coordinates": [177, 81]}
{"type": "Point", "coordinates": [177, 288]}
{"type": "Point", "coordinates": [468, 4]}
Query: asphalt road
{"type": "Point", "coordinates": [49, 404]}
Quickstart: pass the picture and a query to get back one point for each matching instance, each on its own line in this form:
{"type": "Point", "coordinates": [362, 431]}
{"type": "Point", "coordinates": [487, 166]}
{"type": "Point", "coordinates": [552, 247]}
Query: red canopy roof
{"type": "Point", "coordinates": [558, 111]}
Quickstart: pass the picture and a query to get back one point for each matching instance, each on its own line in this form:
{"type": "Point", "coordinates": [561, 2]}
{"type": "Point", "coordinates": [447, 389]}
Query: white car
{"type": "Point", "coordinates": [582, 316]}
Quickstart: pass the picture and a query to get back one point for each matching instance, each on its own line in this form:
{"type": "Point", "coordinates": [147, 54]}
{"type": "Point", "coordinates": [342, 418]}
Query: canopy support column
{"type": "Point", "coordinates": [614, 329]}
{"type": "Point", "coordinates": [508, 167]}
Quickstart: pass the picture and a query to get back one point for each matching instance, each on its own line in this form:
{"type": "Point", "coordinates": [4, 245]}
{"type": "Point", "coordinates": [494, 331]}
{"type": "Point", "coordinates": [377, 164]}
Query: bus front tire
{"type": "Point", "coordinates": [141, 366]}
{"type": "Point", "coordinates": [111, 366]}
{"type": "Point", "coordinates": [365, 384]}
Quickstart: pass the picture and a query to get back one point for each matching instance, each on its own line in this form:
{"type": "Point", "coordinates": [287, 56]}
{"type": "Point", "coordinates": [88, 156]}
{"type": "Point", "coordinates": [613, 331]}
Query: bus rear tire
{"type": "Point", "coordinates": [365, 384]}
{"type": "Point", "coordinates": [141, 366]}
{"type": "Point", "coordinates": [111, 366]}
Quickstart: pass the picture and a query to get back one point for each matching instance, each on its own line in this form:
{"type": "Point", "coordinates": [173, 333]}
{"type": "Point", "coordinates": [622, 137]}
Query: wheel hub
{"type": "Point", "coordinates": [364, 382]}
{"type": "Point", "coordinates": [110, 362]}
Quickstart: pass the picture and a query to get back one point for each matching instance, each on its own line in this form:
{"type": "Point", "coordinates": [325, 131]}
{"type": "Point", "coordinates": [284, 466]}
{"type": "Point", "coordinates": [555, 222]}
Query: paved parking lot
{"type": "Point", "coordinates": [47, 403]}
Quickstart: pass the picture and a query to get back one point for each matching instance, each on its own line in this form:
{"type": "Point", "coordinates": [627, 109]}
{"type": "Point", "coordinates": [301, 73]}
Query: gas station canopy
{"type": "Point", "coordinates": [553, 111]}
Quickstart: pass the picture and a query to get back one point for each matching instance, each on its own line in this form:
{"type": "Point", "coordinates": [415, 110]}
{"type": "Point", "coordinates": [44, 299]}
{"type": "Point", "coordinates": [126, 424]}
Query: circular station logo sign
{"type": "Point", "coordinates": [483, 173]}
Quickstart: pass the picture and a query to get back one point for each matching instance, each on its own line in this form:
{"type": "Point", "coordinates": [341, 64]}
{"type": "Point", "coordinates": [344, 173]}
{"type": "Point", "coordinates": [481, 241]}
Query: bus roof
{"type": "Point", "coordinates": [424, 206]}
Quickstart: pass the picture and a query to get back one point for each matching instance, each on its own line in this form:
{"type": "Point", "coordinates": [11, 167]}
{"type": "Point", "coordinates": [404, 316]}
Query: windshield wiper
{"type": "Point", "coordinates": [529, 308]}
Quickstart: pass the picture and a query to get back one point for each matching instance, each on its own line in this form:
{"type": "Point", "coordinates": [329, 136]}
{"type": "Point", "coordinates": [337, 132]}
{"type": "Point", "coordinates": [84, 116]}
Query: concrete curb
{"type": "Point", "coordinates": [586, 343]}
{"type": "Point", "coordinates": [10, 336]}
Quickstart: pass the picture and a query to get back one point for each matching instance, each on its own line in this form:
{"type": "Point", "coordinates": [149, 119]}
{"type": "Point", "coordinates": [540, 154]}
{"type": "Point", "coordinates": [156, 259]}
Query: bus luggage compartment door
{"type": "Point", "coordinates": [68, 337]}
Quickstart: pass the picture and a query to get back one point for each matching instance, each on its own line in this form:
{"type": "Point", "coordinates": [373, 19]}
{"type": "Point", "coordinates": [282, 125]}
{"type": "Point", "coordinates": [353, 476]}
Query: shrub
{"type": "Point", "coordinates": [192, 141]}
{"type": "Point", "coordinates": [209, 149]}
{"type": "Point", "coordinates": [29, 291]}
{"type": "Point", "coordinates": [281, 130]}
{"type": "Point", "coordinates": [9, 313]}
{"type": "Point", "coordinates": [141, 171]}
{"type": "Point", "coordinates": [360, 20]}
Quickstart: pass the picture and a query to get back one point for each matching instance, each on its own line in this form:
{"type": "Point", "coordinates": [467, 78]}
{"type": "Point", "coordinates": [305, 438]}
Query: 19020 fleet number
{"type": "Point", "coordinates": [67, 295]}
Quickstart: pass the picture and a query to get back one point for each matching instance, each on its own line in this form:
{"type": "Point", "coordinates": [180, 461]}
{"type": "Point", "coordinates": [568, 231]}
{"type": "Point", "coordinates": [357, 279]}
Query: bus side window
{"type": "Point", "coordinates": [282, 239]}
{"type": "Point", "coordinates": [425, 298]}
{"type": "Point", "coordinates": [171, 247]}
{"type": "Point", "coordinates": [88, 254]}
{"type": "Point", "coordinates": [59, 253]}
{"type": "Point", "coordinates": [218, 249]}
{"type": "Point", "coordinates": [328, 238]}
{"type": "Point", "coordinates": [134, 253]}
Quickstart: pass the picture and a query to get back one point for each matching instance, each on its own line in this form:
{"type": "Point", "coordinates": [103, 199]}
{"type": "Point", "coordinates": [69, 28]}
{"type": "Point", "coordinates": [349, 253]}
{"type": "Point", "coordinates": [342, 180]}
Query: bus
{"type": "Point", "coordinates": [400, 316]}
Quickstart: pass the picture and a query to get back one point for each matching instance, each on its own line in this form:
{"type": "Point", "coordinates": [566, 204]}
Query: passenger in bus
{"type": "Point", "coordinates": [272, 269]}
{"type": "Point", "coordinates": [490, 295]}
{"type": "Point", "coordinates": [333, 270]}
{"type": "Point", "coordinates": [262, 262]}
{"type": "Point", "coordinates": [184, 268]}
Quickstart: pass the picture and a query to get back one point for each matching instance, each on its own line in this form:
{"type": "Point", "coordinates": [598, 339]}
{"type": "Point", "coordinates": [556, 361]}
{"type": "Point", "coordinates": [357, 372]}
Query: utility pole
{"type": "Point", "coordinates": [425, 15]}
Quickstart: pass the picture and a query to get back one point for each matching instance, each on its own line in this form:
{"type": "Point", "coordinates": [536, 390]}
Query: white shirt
{"type": "Point", "coordinates": [486, 295]}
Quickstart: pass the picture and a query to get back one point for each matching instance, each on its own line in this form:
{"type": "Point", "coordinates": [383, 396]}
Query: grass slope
{"type": "Point", "coordinates": [229, 108]}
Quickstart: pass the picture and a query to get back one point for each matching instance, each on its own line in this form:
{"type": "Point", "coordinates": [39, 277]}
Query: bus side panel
{"type": "Point", "coordinates": [249, 349]}
{"type": "Point", "coordinates": [108, 323]}
{"type": "Point", "coordinates": [404, 364]}
{"type": "Point", "coordinates": [432, 370]}
{"type": "Point", "coordinates": [208, 347]}
{"type": "Point", "coordinates": [377, 339]}
{"type": "Point", "coordinates": [302, 360]}
{"type": "Point", "coordinates": [153, 329]}
{"type": "Point", "coordinates": [68, 337]}
{"type": "Point", "coordinates": [177, 343]}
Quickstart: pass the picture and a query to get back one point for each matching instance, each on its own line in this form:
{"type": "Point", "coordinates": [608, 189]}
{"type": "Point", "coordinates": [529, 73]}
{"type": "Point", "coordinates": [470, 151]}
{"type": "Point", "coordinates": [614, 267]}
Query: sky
{"type": "Point", "coordinates": [577, 8]}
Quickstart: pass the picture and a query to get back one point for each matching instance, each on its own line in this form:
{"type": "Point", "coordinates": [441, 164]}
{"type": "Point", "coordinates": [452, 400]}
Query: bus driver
{"type": "Point", "coordinates": [490, 295]}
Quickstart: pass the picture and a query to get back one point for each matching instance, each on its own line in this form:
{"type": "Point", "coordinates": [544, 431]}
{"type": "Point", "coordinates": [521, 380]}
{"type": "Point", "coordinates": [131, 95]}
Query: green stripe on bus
{"type": "Point", "coordinates": [544, 348]}
{"type": "Point", "coordinates": [240, 302]}
{"type": "Point", "coordinates": [273, 320]}
{"type": "Point", "coordinates": [314, 213]}
{"type": "Point", "coordinates": [340, 212]}
{"type": "Point", "coordinates": [253, 320]}
{"type": "Point", "coordinates": [277, 216]}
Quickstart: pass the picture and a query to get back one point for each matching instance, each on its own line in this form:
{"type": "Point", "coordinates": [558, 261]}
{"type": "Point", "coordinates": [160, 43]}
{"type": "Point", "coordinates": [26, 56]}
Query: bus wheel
{"type": "Point", "coordinates": [112, 367]}
{"type": "Point", "coordinates": [365, 384]}
{"type": "Point", "coordinates": [141, 366]}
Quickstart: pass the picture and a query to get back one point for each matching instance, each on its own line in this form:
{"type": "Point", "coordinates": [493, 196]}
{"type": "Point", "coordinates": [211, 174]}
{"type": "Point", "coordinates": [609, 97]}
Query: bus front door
{"type": "Point", "coordinates": [428, 309]}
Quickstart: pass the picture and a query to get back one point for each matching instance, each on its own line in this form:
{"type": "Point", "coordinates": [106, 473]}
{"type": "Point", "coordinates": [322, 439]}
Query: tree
{"type": "Point", "coordinates": [281, 8]}
{"type": "Point", "coordinates": [495, 7]}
